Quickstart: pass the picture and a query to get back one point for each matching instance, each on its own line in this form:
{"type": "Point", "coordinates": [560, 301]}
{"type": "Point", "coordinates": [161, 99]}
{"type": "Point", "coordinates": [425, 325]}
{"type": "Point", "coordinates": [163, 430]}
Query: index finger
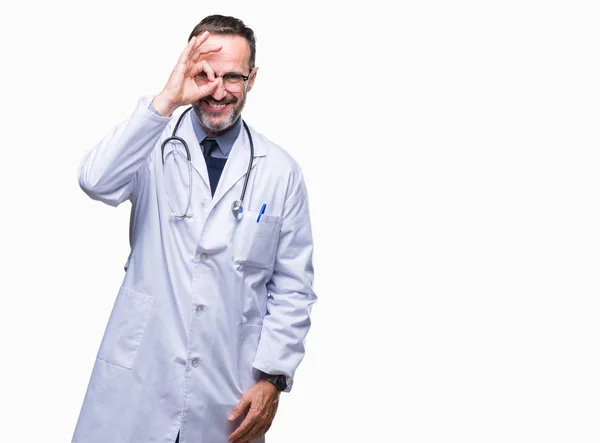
{"type": "Point", "coordinates": [248, 422]}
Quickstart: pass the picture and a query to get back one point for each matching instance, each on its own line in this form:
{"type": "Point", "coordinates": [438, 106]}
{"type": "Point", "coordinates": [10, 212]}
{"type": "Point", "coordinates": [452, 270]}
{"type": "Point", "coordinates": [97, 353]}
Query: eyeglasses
{"type": "Point", "coordinates": [233, 82]}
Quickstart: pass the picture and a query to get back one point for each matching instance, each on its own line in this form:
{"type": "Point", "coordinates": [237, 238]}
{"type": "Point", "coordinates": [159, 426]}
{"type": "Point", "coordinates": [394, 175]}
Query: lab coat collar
{"type": "Point", "coordinates": [237, 161]}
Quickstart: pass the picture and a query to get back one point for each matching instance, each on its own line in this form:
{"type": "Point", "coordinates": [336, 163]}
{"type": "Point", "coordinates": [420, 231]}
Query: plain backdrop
{"type": "Point", "coordinates": [450, 151]}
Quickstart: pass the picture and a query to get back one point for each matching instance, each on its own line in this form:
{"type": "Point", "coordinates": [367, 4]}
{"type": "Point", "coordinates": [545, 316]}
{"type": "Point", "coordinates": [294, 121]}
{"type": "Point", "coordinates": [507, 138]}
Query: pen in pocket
{"type": "Point", "coordinates": [262, 211]}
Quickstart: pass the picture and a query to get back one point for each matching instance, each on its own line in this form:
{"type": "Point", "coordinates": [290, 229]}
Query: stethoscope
{"type": "Point", "coordinates": [237, 207]}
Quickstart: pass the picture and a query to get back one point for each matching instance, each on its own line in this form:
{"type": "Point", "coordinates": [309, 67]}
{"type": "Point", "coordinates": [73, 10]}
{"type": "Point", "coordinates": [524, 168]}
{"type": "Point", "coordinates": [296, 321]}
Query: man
{"type": "Point", "coordinates": [209, 324]}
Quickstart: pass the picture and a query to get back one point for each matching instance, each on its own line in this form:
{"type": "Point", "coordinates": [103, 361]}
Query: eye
{"type": "Point", "coordinates": [202, 76]}
{"type": "Point", "coordinates": [232, 78]}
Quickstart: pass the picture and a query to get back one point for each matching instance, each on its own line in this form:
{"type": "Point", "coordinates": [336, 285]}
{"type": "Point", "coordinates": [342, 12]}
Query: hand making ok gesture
{"type": "Point", "coordinates": [181, 88]}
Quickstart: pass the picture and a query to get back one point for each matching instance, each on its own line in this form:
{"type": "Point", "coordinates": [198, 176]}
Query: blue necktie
{"type": "Point", "coordinates": [209, 144]}
{"type": "Point", "coordinates": [214, 165]}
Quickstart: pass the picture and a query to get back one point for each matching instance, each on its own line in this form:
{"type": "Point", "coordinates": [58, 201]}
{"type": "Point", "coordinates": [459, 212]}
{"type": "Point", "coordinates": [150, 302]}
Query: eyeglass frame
{"type": "Point", "coordinates": [244, 78]}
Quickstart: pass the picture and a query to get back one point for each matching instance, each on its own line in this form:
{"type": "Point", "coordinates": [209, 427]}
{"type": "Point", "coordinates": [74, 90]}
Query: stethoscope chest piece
{"type": "Point", "coordinates": [237, 209]}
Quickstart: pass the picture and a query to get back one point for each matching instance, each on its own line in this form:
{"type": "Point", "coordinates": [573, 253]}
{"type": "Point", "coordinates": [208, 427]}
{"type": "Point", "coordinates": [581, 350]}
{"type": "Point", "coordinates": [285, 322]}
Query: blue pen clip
{"type": "Point", "coordinates": [262, 211]}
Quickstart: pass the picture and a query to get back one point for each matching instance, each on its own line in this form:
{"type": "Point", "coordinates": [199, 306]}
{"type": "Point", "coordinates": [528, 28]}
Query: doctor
{"type": "Point", "coordinates": [209, 323]}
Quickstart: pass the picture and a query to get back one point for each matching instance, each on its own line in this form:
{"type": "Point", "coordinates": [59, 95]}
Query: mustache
{"type": "Point", "coordinates": [223, 101]}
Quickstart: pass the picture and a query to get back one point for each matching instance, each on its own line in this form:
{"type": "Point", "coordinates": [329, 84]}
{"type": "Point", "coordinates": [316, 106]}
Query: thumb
{"type": "Point", "coordinates": [207, 89]}
{"type": "Point", "coordinates": [239, 408]}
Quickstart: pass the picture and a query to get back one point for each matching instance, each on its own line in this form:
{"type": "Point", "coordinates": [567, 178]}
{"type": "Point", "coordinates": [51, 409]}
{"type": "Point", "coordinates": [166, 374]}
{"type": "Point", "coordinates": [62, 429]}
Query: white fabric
{"type": "Point", "coordinates": [204, 299]}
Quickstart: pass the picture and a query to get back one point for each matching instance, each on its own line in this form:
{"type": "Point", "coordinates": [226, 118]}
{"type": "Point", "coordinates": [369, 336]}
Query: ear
{"type": "Point", "coordinates": [252, 77]}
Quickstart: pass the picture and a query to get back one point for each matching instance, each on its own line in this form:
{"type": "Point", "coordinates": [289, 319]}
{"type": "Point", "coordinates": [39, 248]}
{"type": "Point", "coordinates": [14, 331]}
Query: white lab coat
{"type": "Point", "coordinates": [204, 299]}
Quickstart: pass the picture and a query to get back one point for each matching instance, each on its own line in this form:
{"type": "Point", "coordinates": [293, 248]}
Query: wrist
{"type": "Point", "coordinates": [269, 386]}
{"type": "Point", "coordinates": [278, 381]}
{"type": "Point", "coordinates": [163, 105]}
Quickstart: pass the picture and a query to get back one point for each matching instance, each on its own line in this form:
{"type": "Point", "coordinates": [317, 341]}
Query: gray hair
{"type": "Point", "coordinates": [225, 25]}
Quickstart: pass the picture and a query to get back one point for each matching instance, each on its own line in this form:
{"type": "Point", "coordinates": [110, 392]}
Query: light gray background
{"type": "Point", "coordinates": [451, 156]}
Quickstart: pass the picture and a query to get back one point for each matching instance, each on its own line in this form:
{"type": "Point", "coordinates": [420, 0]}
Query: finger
{"type": "Point", "coordinates": [207, 49]}
{"type": "Point", "coordinates": [200, 51]}
{"type": "Point", "coordinates": [207, 89]}
{"type": "Point", "coordinates": [249, 437]}
{"type": "Point", "coordinates": [202, 37]}
{"type": "Point", "coordinates": [183, 58]}
{"type": "Point", "coordinates": [254, 432]}
{"type": "Point", "coordinates": [194, 43]}
{"type": "Point", "coordinates": [243, 428]}
{"type": "Point", "coordinates": [241, 407]}
{"type": "Point", "coordinates": [203, 66]}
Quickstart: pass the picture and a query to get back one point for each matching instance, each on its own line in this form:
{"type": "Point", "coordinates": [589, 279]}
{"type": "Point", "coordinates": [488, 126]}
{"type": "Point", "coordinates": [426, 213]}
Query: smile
{"type": "Point", "coordinates": [217, 106]}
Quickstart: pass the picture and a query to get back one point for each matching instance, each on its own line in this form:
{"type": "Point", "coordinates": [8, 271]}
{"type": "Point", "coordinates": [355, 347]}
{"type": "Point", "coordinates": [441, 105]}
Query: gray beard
{"type": "Point", "coordinates": [226, 124]}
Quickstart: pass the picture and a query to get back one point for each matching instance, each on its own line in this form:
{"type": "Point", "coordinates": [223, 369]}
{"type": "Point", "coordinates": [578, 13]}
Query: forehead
{"type": "Point", "coordinates": [233, 56]}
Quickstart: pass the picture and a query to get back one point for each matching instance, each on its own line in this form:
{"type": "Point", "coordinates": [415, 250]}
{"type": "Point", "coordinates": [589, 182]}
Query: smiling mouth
{"type": "Point", "coordinates": [216, 106]}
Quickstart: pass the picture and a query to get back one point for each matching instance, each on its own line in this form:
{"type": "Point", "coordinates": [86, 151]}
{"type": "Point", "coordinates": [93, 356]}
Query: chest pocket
{"type": "Point", "coordinates": [255, 244]}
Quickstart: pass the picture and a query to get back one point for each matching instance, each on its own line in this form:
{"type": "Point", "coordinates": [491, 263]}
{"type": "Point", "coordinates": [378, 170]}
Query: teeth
{"type": "Point", "coordinates": [216, 106]}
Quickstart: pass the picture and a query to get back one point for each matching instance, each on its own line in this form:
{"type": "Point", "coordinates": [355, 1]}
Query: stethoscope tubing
{"type": "Point", "coordinates": [237, 206]}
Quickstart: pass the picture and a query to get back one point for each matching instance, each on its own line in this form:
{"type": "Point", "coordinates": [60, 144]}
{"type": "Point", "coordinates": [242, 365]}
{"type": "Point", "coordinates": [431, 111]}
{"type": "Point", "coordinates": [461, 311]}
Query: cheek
{"type": "Point", "coordinates": [239, 96]}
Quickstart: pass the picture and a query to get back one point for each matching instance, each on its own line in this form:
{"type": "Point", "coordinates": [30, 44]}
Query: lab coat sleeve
{"type": "Point", "coordinates": [291, 294]}
{"type": "Point", "coordinates": [112, 170]}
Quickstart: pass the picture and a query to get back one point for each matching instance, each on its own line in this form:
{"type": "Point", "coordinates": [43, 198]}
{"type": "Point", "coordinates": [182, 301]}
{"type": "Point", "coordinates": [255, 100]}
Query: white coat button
{"type": "Point", "coordinates": [204, 256]}
{"type": "Point", "coordinates": [200, 308]}
{"type": "Point", "coordinates": [195, 362]}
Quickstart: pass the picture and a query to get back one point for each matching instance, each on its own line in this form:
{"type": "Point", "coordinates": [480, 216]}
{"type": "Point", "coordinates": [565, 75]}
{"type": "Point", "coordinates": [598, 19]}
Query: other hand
{"type": "Point", "coordinates": [262, 400]}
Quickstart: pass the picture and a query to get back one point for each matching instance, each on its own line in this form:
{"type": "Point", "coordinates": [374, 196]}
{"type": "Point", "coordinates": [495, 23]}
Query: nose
{"type": "Point", "coordinates": [220, 93]}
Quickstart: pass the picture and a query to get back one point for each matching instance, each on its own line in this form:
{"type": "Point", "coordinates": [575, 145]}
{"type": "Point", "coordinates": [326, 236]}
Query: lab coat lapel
{"type": "Point", "coordinates": [237, 164]}
{"type": "Point", "coordinates": [186, 131]}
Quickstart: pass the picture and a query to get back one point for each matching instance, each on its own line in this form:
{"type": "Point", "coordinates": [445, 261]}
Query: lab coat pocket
{"type": "Point", "coordinates": [125, 327]}
{"type": "Point", "coordinates": [256, 243]}
{"type": "Point", "coordinates": [249, 338]}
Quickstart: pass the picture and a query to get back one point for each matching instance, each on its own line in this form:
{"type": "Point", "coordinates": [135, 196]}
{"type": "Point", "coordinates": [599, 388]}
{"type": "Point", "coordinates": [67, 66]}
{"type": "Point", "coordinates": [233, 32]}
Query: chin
{"type": "Point", "coordinates": [220, 124]}
{"type": "Point", "coordinates": [216, 125]}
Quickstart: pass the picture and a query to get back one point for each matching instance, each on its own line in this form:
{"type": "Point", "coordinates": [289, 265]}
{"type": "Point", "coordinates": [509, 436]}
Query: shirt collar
{"type": "Point", "coordinates": [225, 139]}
